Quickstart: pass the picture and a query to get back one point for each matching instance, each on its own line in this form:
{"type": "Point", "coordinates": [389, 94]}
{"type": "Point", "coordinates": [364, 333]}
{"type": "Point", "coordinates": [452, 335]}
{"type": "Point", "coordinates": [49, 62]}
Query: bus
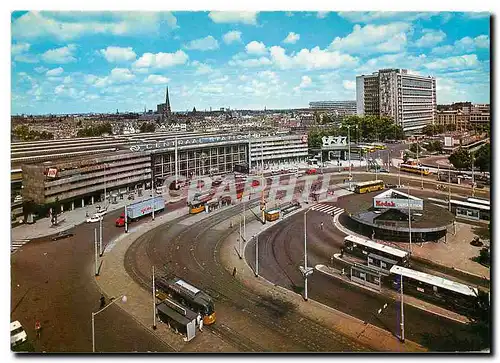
{"type": "Point", "coordinates": [196, 207]}
{"type": "Point", "coordinates": [186, 295]}
{"type": "Point", "coordinates": [453, 295]}
{"type": "Point", "coordinates": [368, 186]}
{"type": "Point", "coordinates": [470, 210]}
{"type": "Point", "coordinates": [477, 200]}
{"type": "Point", "coordinates": [415, 169]}
{"type": "Point", "coordinates": [272, 214]}
{"type": "Point", "coordinates": [363, 248]}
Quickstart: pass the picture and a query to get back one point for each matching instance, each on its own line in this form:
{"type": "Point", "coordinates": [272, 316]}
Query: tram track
{"type": "Point", "coordinates": [272, 314]}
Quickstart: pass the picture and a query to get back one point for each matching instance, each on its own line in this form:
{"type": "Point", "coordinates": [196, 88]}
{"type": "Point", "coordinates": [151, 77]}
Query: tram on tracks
{"type": "Point", "coordinates": [415, 169]}
{"type": "Point", "coordinates": [196, 207]}
{"type": "Point", "coordinates": [186, 295]}
{"type": "Point", "coordinates": [450, 294]}
{"type": "Point", "coordinates": [376, 254]}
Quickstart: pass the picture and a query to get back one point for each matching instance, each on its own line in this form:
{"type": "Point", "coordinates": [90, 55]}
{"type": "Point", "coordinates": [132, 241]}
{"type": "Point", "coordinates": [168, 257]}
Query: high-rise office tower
{"type": "Point", "coordinates": [409, 99]}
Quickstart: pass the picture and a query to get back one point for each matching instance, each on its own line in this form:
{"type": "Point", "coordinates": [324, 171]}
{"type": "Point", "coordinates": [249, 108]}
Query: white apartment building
{"type": "Point", "coordinates": [409, 99]}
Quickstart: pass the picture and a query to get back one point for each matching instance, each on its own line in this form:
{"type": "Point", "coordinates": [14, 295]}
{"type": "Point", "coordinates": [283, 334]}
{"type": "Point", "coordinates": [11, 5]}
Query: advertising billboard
{"type": "Point", "coordinates": [396, 203]}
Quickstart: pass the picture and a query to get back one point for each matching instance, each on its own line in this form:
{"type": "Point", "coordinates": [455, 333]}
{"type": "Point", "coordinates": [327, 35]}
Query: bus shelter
{"type": "Point", "coordinates": [382, 263]}
{"type": "Point", "coordinates": [178, 317]}
{"type": "Point", "coordinates": [366, 275]}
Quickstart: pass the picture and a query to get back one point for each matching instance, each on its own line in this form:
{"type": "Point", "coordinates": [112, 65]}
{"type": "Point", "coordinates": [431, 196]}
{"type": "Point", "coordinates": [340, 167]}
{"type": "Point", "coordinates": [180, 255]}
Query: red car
{"type": "Point", "coordinates": [255, 183]}
{"type": "Point", "coordinates": [311, 171]}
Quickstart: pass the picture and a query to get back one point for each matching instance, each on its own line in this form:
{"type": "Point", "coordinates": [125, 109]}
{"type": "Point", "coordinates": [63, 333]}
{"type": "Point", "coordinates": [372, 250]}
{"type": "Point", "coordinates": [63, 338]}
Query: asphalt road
{"type": "Point", "coordinates": [281, 253]}
{"type": "Point", "coordinates": [178, 249]}
{"type": "Point", "coordinates": [53, 282]}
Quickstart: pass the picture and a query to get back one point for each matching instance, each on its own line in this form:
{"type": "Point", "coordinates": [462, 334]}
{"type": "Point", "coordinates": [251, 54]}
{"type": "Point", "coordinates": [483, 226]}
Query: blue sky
{"type": "Point", "coordinates": [71, 62]}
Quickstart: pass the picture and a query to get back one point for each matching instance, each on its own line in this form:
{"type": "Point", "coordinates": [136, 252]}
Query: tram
{"type": "Point", "coordinates": [368, 186]}
{"type": "Point", "coordinates": [188, 296]}
{"type": "Point", "coordinates": [415, 169]}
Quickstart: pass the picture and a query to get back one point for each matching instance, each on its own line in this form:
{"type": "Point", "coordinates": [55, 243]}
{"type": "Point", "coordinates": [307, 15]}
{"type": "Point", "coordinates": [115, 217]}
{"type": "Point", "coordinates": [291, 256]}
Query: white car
{"type": "Point", "coordinates": [94, 218]}
{"type": "Point", "coordinates": [101, 213]}
{"type": "Point", "coordinates": [17, 333]}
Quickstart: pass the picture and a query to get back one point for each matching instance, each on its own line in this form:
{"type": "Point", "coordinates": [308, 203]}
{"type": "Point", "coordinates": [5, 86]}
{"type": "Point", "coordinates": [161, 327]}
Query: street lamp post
{"type": "Point", "coordinates": [100, 237]}
{"type": "Point", "coordinates": [152, 195]}
{"type": "Point", "coordinates": [257, 255]}
{"type": "Point", "coordinates": [126, 220]}
{"type": "Point", "coordinates": [306, 271]}
{"type": "Point", "coordinates": [154, 300]}
{"type": "Point", "coordinates": [123, 299]}
{"type": "Point", "coordinates": [96, 253]}
{"type": "Point", "coordinates": [409, 217]}
{"type": "Point", "coordinates": [402, 323]}
{"type": "Point", "coordinates": [472, 159]}
{"type": "Point", "coordinates": [349, 148]}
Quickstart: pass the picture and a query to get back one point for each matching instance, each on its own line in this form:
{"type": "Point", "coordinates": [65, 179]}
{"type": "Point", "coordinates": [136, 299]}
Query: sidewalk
{"type": "Point", "coordinates": [369, 335]}
{"type": "Point", "coordinates": [72, 218]}
{"type": "Point", "coordinates": [114, 281]}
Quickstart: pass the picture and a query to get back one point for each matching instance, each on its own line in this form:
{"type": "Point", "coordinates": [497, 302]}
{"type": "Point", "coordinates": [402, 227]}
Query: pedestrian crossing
{"type": "Point", "coordinates": [16, 244]}
{"type": "Point", "coordinates": [327, 208]}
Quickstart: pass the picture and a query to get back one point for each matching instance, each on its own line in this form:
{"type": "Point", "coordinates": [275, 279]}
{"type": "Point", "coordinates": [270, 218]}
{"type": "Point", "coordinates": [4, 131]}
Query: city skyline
{"type": "Point", "coordinates": [102, 61]}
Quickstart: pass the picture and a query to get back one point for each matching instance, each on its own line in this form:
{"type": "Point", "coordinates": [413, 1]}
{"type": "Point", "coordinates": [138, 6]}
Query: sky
{"type": "Point", "coordinates": [76, 62]}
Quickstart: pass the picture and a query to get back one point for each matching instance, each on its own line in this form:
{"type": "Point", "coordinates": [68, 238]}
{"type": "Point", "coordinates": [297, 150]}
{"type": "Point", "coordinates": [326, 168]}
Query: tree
{"type": "Point", "coordinates": [461, 159]}
{"type": "Point", "coordinates": [414, 147]}
{"type": "Point", "coordinates": [480, 318]}
{"type": "Point", "coordinates": [482, 158]}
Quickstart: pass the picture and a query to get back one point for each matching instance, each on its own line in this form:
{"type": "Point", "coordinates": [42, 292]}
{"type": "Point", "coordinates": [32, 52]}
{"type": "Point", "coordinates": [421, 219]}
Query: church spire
{"type": "Point", "coordinates": [167, 104]}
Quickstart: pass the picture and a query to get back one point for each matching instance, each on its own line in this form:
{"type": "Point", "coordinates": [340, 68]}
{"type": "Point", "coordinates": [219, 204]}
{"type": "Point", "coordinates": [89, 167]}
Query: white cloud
{"type": "Point", "coordinates": [464, 45]}
{"type": "Point", "coordinates": [41, 69]}
{"type": "Point", "coordinates": [477, 15]}
{"type": "Point", "coordinates": [250, 63]}
{"type": "Point", "coordinates": [305, 82]}
{"type": "Point", "coordinates": [211, 89]}
{"type": "Point", "coordinates": [255, 47]}
{"type": "Point", "coordinates": [458, 62]}
{"type": "Point", "coordinates": [322, 14]}
{"type": "Point", "coordinates": [90, 78]}
{"type": "Point", "coordinates": [60, 55]}
{"type": "Point", "coordinates": [349, 85]}
{"type": "Point", "coordinates": [67, 80]}
{"type": "Point", "coordinates": [244, 17]}
{"type": "Point", "coordinates": [118, 54]}
{"type": "Point", "coordinates": [374, 16]}
{"type": "Point", "coordinates": [161, 60]}
{"type": "Point", "coordinates": [71, 92]}
{"type": "Point", "coordinates": [26, 58]}
{"type": "Point", "coordinates": [70, 25]}
{"type": "Point", "coordinates": [121, 75]}
{"type": "Point", "coordinates": [202, 68]}
{"type": "Point", "coordinates": [55, 72]}
{"type": "Point", "coordinates": [207, 43]}
{"type": "Point", "coordinates": [375, 38]}
{"type": "Point", "coordinates": [315, 58]}
{"type": "Point", "coordinates": [19, 48]}
{"type": "Point", "coordinates": [156, 79]}
{"type": "Point", "coordinates": [291, 38]}
{"type": "Point", "coordinates": [232, 36]}
{"type": "Point", "coordinates": [117, 75]}
{"type": "Point", "coordinates": [430, 38]}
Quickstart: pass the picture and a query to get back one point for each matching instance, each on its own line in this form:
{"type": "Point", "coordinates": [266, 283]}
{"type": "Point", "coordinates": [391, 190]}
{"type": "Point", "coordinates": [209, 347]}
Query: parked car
{"type": "Point", "coordinates": [17, 333]}
{"type": "Point", "coordinates": [391, 186]}
{"type": "Point", "coordinates": [18, 199]}
{"type": "Point", "coordinates": [255, 183]}
{"type": "Point", "coordinates": [311, 171]}
{"type": "Point", "coordinates": [94, 218]}
{"type": "Point", "coordinates": [101, 213]}
{"type": "Point", "coordinates": [383, 171]}
{"type": "Point", "coordinates": [62, 235]}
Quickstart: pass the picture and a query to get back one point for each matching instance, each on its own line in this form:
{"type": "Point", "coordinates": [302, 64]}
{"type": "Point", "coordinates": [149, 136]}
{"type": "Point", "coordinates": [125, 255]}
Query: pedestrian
{"type": "Point", "coordinates": [321, 225]}
{"type": "Point", "coordinates": [87, 214]}
{"type": "Point", "coordinates": [198, 319]}
{"type": "Point", "coordinates": [201, 325]}
{"type": "Point", "coordinates": [38, 327]}
{"type": "Point", "coordinates": [234, 271]}
{"type": "Point", "coordinates": [102, 301]}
